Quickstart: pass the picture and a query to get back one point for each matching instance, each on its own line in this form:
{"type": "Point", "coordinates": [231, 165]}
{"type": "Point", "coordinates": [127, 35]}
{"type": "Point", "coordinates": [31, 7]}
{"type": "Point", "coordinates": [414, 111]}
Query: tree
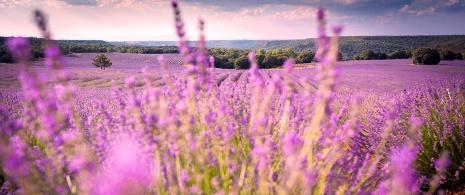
{"type": "Point", "coordinates": [382, 56]}
{"type": "Point", "coordinates": [259, 59]}
{"type": "Point", "coordinates": [102, 62]}
{"type": "Point", "coordinates": [368, 55]}
{"type": "Point", "coordinates": [6, 58]}
{"type": "Point", "coordinates": [304, 57]}
{"type": "Point", "coordinates": [398, 54]}
{"type": "Point", "coordinates": [242, 63]}
{"type": "Point", "coordinates": [281, 60]}
{"type": "Point", "coordinates": [447, 55]}
{"type": "Point", "coordinates": [426, 56]}
{"type": "Point", "coordinates": [459, 56]}
{"type": "Point", "coordinates": [270, 61]}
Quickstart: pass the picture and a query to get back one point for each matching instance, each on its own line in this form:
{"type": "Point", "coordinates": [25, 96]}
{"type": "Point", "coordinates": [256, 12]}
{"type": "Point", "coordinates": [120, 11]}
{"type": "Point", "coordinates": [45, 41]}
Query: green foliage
{"type": "Point", "coordinates": [442, 132]}
{"type": "Point", "coordinates": [242, 63]}
{"type": "Point", "coordinates": [102, 62]}
{"type": "Point", "coordinates": [270, 61]}
{"type": "Point", "coordinates": [259, 59]}
{"type": "Point", "coordinates": [447, 55]}
{"type": "Point", "coordinates": [382, 56]}
{"type": "Point", "coordinates": [227, 58]}
{"type": "Point", "coordinates": [459, 56]}
{"type": "Point", "coordinates": [398, 54]}
{"type": "Point", "coordinates": [305, 57]}
{"type": "Point", "coordinates": [5, 57]}
{"type": "Point", "coordinates": [102, 48]}
{"type": "Point", "coordinates": [281, 60]}
{"type": "Point", "coordinates": [426, 56]}
{"type": "Point", "coordinates": [352, 45]}
{"type": "Point", "coordinates": [368, 55]}
{"type": "Point", "coordinates": [357, 57]}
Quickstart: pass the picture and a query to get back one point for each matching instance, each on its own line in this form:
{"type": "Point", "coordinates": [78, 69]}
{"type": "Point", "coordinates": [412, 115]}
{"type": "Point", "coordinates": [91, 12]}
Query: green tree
{"type": "Point", "coordinates": [102, 62]}
{"type": "Point", "coordinates": [398, 54]}
{"type": "Point", "coordinates": [447, 55]}
{"type": "Point", "coordinates": [459, 56]}
{"type": "Point", "coordinates": [304, 57]}
{"type": "Point", "coordinates": [270, 61]}
{"type": "Point", "coordinates": [426, 56]}
{"type": "Point", "coordinates": [382, 56]}
{"type": "Point", "coordinates": [281, 60]}
{"type": "Point", "coordinates": [6, 58]}
{"type": "Point", "coordinates": [242, 63]}
{"type": "Point", "coordinates": [259, 58]}
{"type": "Point", "coordinates": [368, 55]}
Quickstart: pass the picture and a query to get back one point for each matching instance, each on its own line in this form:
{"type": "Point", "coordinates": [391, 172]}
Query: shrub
{"type": "Point", "coordinates": [426, 56]}
{"type": "Point", "coordinates": [398, 54]}
{"type": "Point", "coordinates": [368, 55]}
{"type": "Point", "coordinates": [259, 59]}
{"type": "Point", "coordinates": [447, 55]}
{"type": "Point", "coordinates": [242, 63]}
{"type": "Point", "coordinates": [6, 58]}
{"type": "Point", "coordinates": [281, 60]}
{"type": "Point", "coordinates": [459, 56]}
{"type": "Point", "coordinates": [304, 57]}
{"type": "Point", "coordinates": [409, 53]}
{"type": "Point", "coordinates": [382, 56]}
{"type": "Point", "coordinates": [223, 62]}
{"type": "Point", "coordinates": [270, 61]}
{"type": "Point", "coordinates": [102, 62]}
{"type": "Point", "coordinates": [443, 130]}
{"type": "Point", "coordinates": [357, 57]}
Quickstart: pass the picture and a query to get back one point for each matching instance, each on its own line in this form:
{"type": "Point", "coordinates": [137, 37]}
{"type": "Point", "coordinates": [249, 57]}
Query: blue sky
{"type": "Point", "coordinates": [136, 20]}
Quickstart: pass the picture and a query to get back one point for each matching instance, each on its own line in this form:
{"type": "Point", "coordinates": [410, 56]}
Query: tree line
{"type": "Point", "coordinates": [83, 46]}
{"type": "Point", "coordinates": [237, 59]}
{"type": "Point", "coordinates": [352, 45]}
{"type": "Point", "coordinates": [405, 54]}
{"type": "Point", "coordinates": [265, 58]}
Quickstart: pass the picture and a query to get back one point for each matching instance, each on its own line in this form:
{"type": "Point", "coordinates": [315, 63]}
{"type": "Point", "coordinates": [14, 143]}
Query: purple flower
{"type": "Point", "coordinates": [291, 142]}
{"type": "Point", "coordinates": [53, 56]}
{"type": "Point", "coordinates": [15, 163]}
{"type": "Point", "coordinates": [320, 13]}
{"type": "Point", "coordinates": [338, 29]}
{"type": "Point", "coordinates": [77, 163]}
{"type": "Point", "coordinates": [19, 48]}
{"type": "Point", "coordinates": [184, 176]}
{"type": "Point", "coordinates": [288, 65]}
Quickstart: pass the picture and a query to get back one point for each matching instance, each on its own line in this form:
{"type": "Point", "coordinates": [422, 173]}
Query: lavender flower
{"type": "Point", "coordinates": [19, 48]}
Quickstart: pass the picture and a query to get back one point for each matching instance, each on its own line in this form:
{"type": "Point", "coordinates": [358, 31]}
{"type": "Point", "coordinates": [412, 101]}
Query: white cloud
{"type": "Point", "coordinates": [297, 14]}
{"type": "Point", "coordinates": [420, 7]}
{"type": "Point", "coordinates": [14, 3]}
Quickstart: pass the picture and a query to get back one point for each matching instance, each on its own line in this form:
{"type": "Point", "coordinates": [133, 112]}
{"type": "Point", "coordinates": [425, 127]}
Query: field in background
{"type": "Point", "coordinates": [377, 76]}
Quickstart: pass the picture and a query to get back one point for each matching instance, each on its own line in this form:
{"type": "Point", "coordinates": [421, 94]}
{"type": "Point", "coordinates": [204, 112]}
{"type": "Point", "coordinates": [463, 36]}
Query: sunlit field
{"type": "Point", "coordinates": [174, 124]}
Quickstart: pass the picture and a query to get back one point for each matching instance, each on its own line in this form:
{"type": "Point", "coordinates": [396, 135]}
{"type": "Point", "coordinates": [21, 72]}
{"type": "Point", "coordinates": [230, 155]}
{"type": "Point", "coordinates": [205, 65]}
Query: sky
{"type": "Point", "coordinates": [153, 20]}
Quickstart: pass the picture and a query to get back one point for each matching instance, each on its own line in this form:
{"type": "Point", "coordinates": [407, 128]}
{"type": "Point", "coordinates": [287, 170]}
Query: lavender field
{"type": "Point", "coordinates": [173, 124]}
{"type": "Point", "coordinates": [376, 76]}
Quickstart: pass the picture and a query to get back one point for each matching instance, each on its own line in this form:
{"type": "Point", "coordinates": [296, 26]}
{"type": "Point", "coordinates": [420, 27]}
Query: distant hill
{"type": "Point", "coordinates": [349, 45]}
{"type": "Point", "coordinates": [84, 42]}
{"type": "Point", "coordinates": [236, 44]}
{"type": "Point", "coordinates": [386, 44]}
